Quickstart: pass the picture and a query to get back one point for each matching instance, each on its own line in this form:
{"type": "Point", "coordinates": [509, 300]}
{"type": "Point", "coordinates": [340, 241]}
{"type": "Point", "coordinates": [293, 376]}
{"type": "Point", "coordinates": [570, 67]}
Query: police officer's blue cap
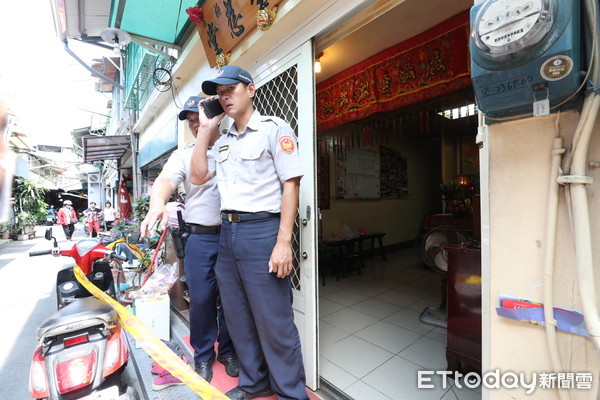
{"type": "Point", "coordinates": [227, 75]}
{"type": "Point", "coordinates": [190, 105]}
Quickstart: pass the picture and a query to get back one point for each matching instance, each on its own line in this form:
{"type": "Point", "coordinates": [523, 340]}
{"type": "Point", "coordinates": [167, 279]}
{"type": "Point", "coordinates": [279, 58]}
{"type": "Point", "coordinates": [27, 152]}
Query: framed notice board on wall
{"type": "Point", "coordinates": [357, 174]}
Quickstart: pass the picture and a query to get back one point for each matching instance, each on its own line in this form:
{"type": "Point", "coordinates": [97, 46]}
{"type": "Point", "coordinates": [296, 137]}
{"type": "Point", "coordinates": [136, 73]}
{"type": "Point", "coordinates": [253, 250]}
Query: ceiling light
{"type": "Point", "coordinates": [318, 62]}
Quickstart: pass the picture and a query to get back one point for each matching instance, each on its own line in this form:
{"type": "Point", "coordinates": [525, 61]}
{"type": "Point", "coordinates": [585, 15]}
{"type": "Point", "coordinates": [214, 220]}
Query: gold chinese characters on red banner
{"type": "Point", "coordinates": [428, 65]}
{"type": "Point", "coordinates": [222, 24]}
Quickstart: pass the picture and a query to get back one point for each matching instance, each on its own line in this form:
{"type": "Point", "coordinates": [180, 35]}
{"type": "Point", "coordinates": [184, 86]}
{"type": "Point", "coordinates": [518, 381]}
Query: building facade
{"type": "Point", "coordinates": [529, 248]}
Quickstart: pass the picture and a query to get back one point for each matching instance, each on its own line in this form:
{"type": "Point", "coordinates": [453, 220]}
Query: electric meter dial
{"type": "Point", "coordinates": [525, 56]}
{"type": "Point", "coordinates": [507, 29]}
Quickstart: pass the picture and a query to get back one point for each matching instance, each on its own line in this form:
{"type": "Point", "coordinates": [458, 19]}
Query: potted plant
{"type": "Point", "coordinates": [454, 198]}
{"type": "Point", "coordinates": [5, 231]}
{"type": "Point", "coordinates": [29, 207]}
{"type": "Point", "coordinates": [24, 226]}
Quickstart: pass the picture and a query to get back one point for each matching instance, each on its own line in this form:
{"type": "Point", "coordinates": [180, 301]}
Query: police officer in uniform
{"type": "Point", "coordinates": [203, 221]}
{"type": "Point", "coordinates": [258, 175]}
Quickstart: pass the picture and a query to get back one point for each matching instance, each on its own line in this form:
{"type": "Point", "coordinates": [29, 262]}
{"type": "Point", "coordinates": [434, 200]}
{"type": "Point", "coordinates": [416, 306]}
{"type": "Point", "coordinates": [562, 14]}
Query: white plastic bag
{"type": "Point", "coordinates": [346, 232]}
{"type": "Point", "coordinates": [159, 283]}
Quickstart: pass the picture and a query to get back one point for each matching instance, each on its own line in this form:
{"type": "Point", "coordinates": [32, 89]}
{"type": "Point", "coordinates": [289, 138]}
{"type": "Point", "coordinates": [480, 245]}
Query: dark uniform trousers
{"type": "Point", "coordinates": [206, 324]}
{"type": "Point", "coordinates": [258, 310]}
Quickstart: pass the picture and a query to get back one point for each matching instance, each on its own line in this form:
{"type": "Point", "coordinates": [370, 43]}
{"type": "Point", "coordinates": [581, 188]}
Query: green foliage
{"type": "Point", "coordinates": [126, 227]}
{"type": "Point", "coordinates": [140, 208]}
{"type": "Point", "coordinates": [146, 258]}
{"type": "Point", "coordinates": [451, 190]}
{"type": "Point", "coordinates": [22, 221]}
{"type": "Point", "coordinates": [29, 205]}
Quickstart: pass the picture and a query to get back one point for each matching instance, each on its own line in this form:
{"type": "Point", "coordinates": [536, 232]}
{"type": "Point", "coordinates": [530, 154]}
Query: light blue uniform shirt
{"type": "Point", "coordinates": [252, 165]}
{"type": "Point", "coordinates": [202, 201]}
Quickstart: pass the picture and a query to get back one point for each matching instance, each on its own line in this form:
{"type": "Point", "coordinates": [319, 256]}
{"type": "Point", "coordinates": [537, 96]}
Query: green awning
{"type": "Point", "coordinates": [161, 20]}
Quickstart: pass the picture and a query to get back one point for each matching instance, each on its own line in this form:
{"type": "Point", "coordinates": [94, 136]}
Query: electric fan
{"type": "Point", "coordinates": [432, 247]}
{"type": "Point", "coordinates": [434, 255]}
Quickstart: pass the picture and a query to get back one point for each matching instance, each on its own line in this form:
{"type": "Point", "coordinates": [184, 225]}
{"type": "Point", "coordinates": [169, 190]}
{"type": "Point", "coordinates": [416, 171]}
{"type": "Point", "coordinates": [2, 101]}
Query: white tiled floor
{"type": "Point", "coordinates": [371, 340]}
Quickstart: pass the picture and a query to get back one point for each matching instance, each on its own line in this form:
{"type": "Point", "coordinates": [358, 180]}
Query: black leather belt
{"type": "Point", "coordinates": [236, 216]}
{"type": "Point", "coordinates": [196, 229]}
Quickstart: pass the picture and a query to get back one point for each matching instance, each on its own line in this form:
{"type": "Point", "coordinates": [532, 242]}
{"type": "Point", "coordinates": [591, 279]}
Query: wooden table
{"type": "Point", "coordinates": [371, 236]}
{"type": "Point", "coordinates": [343, 255]}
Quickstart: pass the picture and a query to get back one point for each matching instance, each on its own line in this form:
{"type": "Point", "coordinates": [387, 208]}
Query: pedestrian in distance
{"type": "Point", "coordinates": [67, 217]}
{"type": "Point", "coordinates": [258, 174]}
{"type": "Point", "coordinates": [109, 215]}
{"type": "Point", "coordinates": [203, 223]}
{"type": "Point", "coordinates": [93, 214]}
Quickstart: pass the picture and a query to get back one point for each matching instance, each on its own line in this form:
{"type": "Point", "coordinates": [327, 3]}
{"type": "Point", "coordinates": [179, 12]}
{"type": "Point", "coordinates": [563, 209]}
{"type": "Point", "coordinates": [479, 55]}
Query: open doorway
{"type": "Point", "coordinates": [371, 304]}
{"type": "Point", "coordinates": [386, 179]}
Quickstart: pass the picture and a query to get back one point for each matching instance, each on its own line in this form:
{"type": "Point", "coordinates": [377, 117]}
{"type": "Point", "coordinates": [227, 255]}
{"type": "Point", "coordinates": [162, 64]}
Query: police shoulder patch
{"type": "Point", "coordinates": [224, 148]}
{"type": "Point", "coordinates": [287, 144]}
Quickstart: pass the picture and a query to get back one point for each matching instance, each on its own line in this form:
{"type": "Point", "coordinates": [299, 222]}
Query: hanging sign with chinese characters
{"type": "Point", "coordinates": [222, 24]}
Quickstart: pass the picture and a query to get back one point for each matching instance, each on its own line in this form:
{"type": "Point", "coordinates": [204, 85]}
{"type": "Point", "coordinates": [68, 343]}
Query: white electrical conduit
{"type": "Point", "coordinates": [550, 244]}
{"type": "Point", "coordinates": [578, 194]}
{"type": "Point", "coordinates": [581, 224]}
{"type": "Point", "coordinates": [575, 163]}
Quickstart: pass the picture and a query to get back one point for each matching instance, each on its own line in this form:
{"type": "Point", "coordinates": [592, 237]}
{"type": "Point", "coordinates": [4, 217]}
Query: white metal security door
{"type": "Point", "coordinates": [286, 90]}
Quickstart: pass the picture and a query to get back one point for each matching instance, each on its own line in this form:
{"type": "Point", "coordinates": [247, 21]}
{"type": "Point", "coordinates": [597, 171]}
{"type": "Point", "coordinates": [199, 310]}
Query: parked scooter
{"type": "Point", "coordinates": [82, 349]}
{"type": "Point", "coordinates": [50, 219]}
{"type": "Point", "coordinates": [51, 216]}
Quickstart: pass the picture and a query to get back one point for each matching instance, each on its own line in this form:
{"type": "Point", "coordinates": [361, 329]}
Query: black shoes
{"type": "Point", "coordinates": [231, 363]}
{"type": "Point", "coordinates": [237, 393]}
{"type": "Point", "coordinates": [205, 370]}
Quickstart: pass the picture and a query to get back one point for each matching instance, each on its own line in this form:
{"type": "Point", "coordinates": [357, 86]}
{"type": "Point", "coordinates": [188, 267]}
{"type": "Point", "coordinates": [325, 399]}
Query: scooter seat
{"type": "Point", "coordinates": [80, 314]}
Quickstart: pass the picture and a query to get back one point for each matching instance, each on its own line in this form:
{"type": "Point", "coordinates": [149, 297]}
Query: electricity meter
{"type": "Point", "coordinates": [506, 29]}
{"type": "Point", "coordinates": [523, 52]}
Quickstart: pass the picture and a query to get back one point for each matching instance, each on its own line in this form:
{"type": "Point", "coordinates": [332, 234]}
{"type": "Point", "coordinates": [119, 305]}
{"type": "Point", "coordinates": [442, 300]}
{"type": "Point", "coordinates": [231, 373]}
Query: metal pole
{"type": "Point", "coordinates": [93, 71]}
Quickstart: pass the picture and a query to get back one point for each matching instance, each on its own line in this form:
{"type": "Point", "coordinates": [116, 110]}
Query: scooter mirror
{"type": "Point", "coordinates": [48, 234]}
{"type": "Point", "coordinates": [133, 237]}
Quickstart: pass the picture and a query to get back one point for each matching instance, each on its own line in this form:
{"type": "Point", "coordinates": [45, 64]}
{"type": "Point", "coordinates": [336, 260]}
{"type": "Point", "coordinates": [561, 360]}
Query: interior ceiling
{"type": "Point", "coordinates": [403, 21]}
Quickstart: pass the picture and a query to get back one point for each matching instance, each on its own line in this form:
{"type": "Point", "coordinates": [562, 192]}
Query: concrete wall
{"type": "Point", "coordinates": [519, 171]}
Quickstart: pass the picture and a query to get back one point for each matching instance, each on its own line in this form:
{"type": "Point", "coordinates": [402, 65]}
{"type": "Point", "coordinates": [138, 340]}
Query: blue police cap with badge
{"type": "Point", "coordinates": [227, 75]}
{"type": "Point", "coordinates": [190, 105]}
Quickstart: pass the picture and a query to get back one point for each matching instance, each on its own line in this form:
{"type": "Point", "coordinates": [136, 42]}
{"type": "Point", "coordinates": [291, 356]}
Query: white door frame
{"type": "Point", "coordinates": [305, 299]}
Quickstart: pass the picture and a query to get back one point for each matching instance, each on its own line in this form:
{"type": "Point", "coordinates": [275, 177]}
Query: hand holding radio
{"type": "Point", "coordinates": [212, 107]}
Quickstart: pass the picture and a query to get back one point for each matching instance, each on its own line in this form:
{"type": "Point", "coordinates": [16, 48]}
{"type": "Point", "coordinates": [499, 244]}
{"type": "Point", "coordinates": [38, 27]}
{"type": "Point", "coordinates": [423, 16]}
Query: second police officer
{"type": "Point", "coordinates": [203, 221]}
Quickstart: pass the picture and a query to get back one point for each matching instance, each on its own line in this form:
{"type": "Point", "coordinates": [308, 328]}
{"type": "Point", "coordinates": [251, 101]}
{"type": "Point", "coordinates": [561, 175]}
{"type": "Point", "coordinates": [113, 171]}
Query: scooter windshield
{"type": "Point", "coordinates": [84, 246]}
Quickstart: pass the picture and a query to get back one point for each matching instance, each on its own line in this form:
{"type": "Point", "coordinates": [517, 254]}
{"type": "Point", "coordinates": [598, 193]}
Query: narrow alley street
{"type": "Point", "coordinates": [26, 300]}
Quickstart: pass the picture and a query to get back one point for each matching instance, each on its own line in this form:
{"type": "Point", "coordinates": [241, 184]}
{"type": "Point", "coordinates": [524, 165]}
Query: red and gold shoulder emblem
{"type": "Point", "coordinates": [287, 144]}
